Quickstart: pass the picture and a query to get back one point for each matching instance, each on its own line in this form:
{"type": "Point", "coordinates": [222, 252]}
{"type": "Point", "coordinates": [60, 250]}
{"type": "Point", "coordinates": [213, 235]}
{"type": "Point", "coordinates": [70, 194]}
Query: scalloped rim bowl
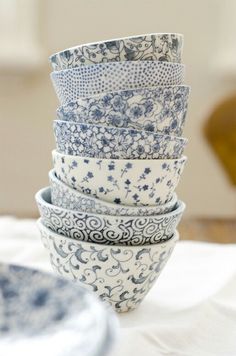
{"type": "Point", "coordinates": [120, 275]}
{"type": "Point", "coordinates": [108, 229]}
{"type": "Point", "coordinates": [68, 198]}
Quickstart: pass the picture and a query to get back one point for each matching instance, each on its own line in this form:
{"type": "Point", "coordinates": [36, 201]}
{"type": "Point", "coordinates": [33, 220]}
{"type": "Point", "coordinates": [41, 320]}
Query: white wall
{"type": "Point", "coordinates": [28, 103]}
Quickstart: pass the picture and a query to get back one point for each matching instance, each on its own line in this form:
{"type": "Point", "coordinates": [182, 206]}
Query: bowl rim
{"type": "Point", "coordinates": [141, 64]}
{"type": "Point", "coordinates": [174, 238]}
{"type": "Point", "coordinates": [53, 177]}
{"type": "Point", "coordinates": [187, 87]}
{"type": "Point", "coordinates": [157, 135]}
{"type": "Point", "coordinates": [133, 161]}
{"type": "Point", "coordinates": [110, 319]}
{"type": "Point", "coordinates": [39, 197]}
{"type": "Point", "coordinates": [156, 34]}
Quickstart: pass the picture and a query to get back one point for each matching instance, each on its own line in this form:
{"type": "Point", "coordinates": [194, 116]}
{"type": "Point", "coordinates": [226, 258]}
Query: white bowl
{"type": "Point", "coordinates": [108, 229]}
{"type": "Point", "coordinates": [159, 109]}
{"type": "Point", "coordinates": [37, 307]}
{"type": "Point", "coordinates": [67, 198]}
{"type": "Point", "coordinates": [156, 46]}
{"type": "Point", "coordinates": [84, 81]}
{"type": "Point", "coordinates": [128, 182]}
{"type": "Point", "coordinates": [87, 140]}
{"type": "Point", "coordinates": [121, 275]}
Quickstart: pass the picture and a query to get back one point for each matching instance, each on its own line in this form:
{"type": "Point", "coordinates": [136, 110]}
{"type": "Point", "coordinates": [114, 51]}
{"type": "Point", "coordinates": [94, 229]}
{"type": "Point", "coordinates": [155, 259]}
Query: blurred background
{"type": "Point", "coordinates": [31, 30]}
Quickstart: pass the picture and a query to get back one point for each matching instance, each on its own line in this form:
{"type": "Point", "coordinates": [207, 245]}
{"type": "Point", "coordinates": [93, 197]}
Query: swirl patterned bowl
{"type": "Point", "coordinates": [161, 109]}
{"type": "Point", "coordinates": [121, 275]}
{"type": "Point", "coordinates": [128, 182]}
{"type": "Point", "coordinates": [84, 81]}
{"type": "Point", "coordinates": [152, 47]}
{"type": "Point", "coordinates": [88, 140]}
{"type": "Point", "coordinates": [36, 307]}
{"type": "Point", "coordinates": [71, 199]}
{"type": "Point", "coordinates": [107, 229]}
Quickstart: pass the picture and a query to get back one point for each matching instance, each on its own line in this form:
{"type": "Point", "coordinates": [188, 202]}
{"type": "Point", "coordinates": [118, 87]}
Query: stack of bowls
{"type": "Point", "coordinates": [110, 215]}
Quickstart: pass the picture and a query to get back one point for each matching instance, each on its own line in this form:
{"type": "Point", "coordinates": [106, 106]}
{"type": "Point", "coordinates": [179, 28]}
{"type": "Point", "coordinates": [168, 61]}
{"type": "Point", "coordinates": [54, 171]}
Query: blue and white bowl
{"type": "Point", "coordinates": [121, 275]}
{"type": "Point", "coordinates": [134, 182]}
{"type": "Point", "coordinates": [85, 81]}
{"type": "Point", "coordinates": [71, 199]}
{"type": "Point", "coordinates": [152, 47]}
{"type": "Point", "coordinates": [89, 140]}
{"type": "Point", "coordinates": [108, 229]}
{"type": "Point", "coordinates": [37, 307]}
{"type": "Point", "coordinates": [161, 109]}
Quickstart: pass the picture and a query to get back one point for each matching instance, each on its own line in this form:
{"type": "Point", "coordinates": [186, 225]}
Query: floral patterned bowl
{"type": "Point", "coordinates": [71, 199]}
{"type": "Point", "coordinates": [152, 47]}
{"type": "Point", "coordinates": [89, 140]}
{"type": "Point", "coordinates": [161, 109]}
{"type": "Point", "coordinates": [37, 307]}
{"type": "Point", "coordinates": [121, 181]}
{"type": "Point", "coordinates": [108, 229]}
{"type": "Point", "coordinates": [121, 275]}
{"type": "Point", "coordinates": [85, 81]}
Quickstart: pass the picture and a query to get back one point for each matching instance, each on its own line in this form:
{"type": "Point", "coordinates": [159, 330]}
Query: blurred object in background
{"type": "Point", "coordinates": [219, 230]}
{"type": "Point", "coordinates": [220, 131]}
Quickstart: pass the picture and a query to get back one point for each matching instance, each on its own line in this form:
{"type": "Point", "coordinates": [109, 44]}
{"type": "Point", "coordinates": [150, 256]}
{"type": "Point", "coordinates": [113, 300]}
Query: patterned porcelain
{"type": "Point", "coordinates": [37, 307]}
{"type": "Point", "coordinates": [71, 199]}
{"type": "Point", "coordinates": [121, 181]}
{"type": "Point", "coordinates": [116, 143]}
{"type": "Point", "coordinates": [121, 275]}
{"type": "Point", "coordinates": [108, 229]}
{"type": "Point", "coordinates": [84, 81]}
{"type": "Point", "coordinates": [152, 47]}
{"type": "Point", "coordinates": [161, 109]}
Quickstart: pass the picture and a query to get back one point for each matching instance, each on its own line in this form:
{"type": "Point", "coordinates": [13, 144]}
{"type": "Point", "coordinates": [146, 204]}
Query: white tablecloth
{"type": "Point", "coordinates": [191, 311]}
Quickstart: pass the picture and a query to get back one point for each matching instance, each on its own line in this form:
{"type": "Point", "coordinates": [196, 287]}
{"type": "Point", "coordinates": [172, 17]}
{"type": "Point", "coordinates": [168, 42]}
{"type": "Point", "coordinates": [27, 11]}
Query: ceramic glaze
{"type": "Point", "coordinates": [152, 47]}
{"type": "Point", "coordinates": [121, 181]}
{"type": "Point", "coordinates": [71, 199]}
{"type": "Point", "coordinates": [108, 230]}
{"type": "Point", "coordinates": [120, 275]}
{"type": "Point", "coordinates": [85, 81]}
{"type": "Point", "coordinates": [36, 307]}
{"type": "Point", "coordinates": [88, 140]}
{"type": "Point", "coordinates": [161, 109]}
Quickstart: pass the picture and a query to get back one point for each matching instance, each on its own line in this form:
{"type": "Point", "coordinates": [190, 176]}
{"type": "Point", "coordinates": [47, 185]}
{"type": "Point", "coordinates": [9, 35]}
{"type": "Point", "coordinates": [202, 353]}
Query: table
{"type": "Point", "coordinates": [191, 311]}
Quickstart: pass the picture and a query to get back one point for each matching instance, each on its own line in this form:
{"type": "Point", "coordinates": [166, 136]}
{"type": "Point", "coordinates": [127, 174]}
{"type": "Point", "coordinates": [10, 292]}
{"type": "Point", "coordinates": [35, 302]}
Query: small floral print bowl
{"type": "Point", "coordinates": [108, 229]}
{"type": "Point", "coordinates": [89, 140]}
{"type": "Point", "coordinates": [37, 307]}
{"type": "Point", "coordinates": [70, 84]}
{"type": "Point", "coordinates": [71, 199]}
{"type": "Point", "coordinates": [121, 181]}
{"type": "Point", "coordinates": [120, 275]}
{"type": "Point", "coordinates": [161, 109]}
{"type": "Point", "coordinates": [152, 47]}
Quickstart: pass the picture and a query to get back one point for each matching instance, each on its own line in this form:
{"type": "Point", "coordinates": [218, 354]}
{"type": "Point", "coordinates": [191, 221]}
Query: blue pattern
{"type": "Point", "coordinates": [85, 81]}
{"type": "Point", "coordinates": [128, 182]}
{"type": "Point", "coordinates": [108, 229]}
{"type": "Point", "coordinates": [36, 307]}
{"type": "Point", "coordinates": [161, 109]}
{"type": "Point", "coordinates": [120, 275]}
{"type": "Point", "coordinates": [71, 199]}
{"type": "Point", "coordinates": [153, 47]}
{"type": "Point", "coordinates": [115, 143]}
